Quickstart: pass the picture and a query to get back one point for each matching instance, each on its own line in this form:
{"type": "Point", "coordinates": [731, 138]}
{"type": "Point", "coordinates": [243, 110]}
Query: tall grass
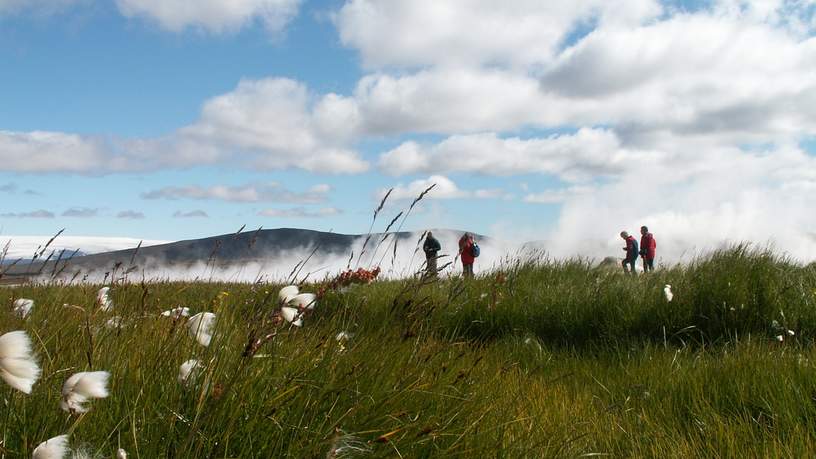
{"type": "Point", "coordinates": [540, 359]}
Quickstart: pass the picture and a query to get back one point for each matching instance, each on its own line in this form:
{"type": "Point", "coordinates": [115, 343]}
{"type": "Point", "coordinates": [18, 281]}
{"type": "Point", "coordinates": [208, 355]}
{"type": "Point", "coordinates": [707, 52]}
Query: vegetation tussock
{"type": "Point", "coordinates": [538, 359]}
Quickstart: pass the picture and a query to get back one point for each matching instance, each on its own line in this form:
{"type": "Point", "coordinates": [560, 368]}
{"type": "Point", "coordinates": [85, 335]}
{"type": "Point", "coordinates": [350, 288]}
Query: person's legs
{"type": "Point", "coordinates": [467, 270]}
{"type": "Point", "coordinates": [631, 264]}
{"type": "Point", "coordinates": [432, 266]}
{"type": "Point", "coordinates": [648, 264]}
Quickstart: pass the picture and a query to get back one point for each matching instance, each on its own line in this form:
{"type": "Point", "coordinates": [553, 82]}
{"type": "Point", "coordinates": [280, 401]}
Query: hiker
{"type": "Point", "coordinates": [468, 251]}
{"type": "Point", "coordinates": [648, 247]}
{"type": "Point", "coordinates": [632, 253]}
{"type": "Point", "coordinates": [431, 248]}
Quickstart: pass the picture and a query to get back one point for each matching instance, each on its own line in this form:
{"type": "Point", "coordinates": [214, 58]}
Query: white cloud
{"type": "Point", "coordinates": [81, 212]}
{"type": "Point", "coordinates": [271, 192]}
{"type": "Point", "coordinates": [33, 214]}
{"type": "Point", "coordinates": [451, 100]}
{"type": "Point", "coordinates": [444, 188]}
{"type": "Point", "coordinates": [472, 32]}
{"type": "Point", "coordinates": [692, 75]}
{"type": "Point", "coordinates": [575, 157]}
{"type": "Point", "coordinates": [40, 151]}
{"type": "Point", "coordinates": [300, 212]}
{"type": "Point", "coordinates": [131, 214]}
{"type": "Point", "coordinates": [190, 214]}
{"type": "Point", "coordinates": [265, 124]}
{"type": "Point", "coordinates": [216, 16]}
{"type": "Point", "coordinates": [281, 125]}
{"type": "Point", "coordinates": [693, 205]}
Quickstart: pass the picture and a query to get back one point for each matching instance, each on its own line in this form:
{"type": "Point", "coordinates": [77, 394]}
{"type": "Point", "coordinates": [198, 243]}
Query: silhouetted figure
{"type": "Point", "coordinates": [466, 254]}
{"type": "Point", "coordinates": [632, 253]}
{"type": "Point", "coordinates": [431, 247]}
{"type": "Point", "coordinates": [648, 249]}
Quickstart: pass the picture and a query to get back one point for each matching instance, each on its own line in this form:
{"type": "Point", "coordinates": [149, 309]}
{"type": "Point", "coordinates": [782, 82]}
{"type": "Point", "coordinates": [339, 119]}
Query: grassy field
{"type": "Point", "coordinates": [539, 359]}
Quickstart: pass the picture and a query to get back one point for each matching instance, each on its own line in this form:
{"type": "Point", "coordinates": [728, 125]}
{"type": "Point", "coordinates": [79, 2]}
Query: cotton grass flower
{"type": "Point", "coordinates": [114, 323]}
{"type": "Point", "coordinates": [304, 301]}
{"type": "Point", "coordinates": [53, 448]}
{"type": "Point", "coordinates": [288, 293]}
{"type": "Point", "coordinates": [18, 366]}
{"type": "Point", "coordinates": [292, 315]}
{"type": "Point", "coordinates": [22, 307]}
{"type": "Point", "coordinates": [188, 371]}
{"type": "Point", "coordinates": [103, 300]}
{"type": "Point", "coordinates": [201, 327]}
{"type": "Point", "coordinates": [121, 454]}
{"type": "Point", "coordinates": [82, 387]}
{"type": "Point", "coordinates": [343, 336]}
{"type": "Point", "coordinates": [667, 291]}
{"type": "Point", "coordinates": [177, 313]}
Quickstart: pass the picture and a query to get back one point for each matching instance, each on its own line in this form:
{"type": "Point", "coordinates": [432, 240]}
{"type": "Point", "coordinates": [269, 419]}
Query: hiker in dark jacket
{"type": "Point", "coordinates": [648, 249]}
{"type": "Point", "coordinates": [632, 253]}
{"type": "Point", "coordinates": [431, 247]}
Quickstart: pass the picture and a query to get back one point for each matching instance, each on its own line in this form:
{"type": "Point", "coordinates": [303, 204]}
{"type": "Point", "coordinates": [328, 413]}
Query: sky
{"type": "Point", "coordinates": [564, 121]}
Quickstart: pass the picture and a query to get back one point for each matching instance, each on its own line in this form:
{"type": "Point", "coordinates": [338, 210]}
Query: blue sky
{"type": "Point", "coordinates": [536, 121]}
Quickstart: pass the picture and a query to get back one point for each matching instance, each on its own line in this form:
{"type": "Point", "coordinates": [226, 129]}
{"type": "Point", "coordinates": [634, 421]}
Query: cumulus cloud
{"type": "Point", "coordinates": [583, 155]}
{"type": "Point", "coordinates": [692, 207]}
{"type": "Point", "coordinates": [264, 124]}
{"type": "Point", "coordinates": [444, 188]}
{"type": "Point", "coordinates": [33, 214]}
{"type": "Point", "coordinates": [40, 151]}
{"type": "Point", "coordinates": [130, 214]}
{"type": "Point", "coordinates": [216, 16]}
{"type": "Point", "coordinates": [472, 32]}
{"type": "Point", "coordinates": [81, 212]}
{"type": "Point", "coordinates": [284, 125]}
{"type": "Point", "coordinates": [272, 192]}
{"type": "Point", "coordinates": [190, 214]}
{"type": "Point", "coordinates": [300, 212]}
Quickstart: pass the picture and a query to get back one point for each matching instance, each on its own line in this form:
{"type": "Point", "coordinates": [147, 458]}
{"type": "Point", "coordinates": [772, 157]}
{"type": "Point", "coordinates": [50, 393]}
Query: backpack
{"type": "Point", "coordinates": [475, 250]}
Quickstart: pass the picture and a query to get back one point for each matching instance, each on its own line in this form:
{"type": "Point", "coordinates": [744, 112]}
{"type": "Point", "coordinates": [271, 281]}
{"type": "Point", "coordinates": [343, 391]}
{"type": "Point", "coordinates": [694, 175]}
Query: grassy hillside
{"type": "Point", "coordinates": [542, 359]}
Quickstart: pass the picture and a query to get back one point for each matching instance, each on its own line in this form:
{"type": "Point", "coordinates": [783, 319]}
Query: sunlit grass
{"type": "Point", "coordinates": [541, 359]}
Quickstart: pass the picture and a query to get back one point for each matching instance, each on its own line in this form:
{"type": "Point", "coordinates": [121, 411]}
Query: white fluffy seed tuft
{"type": "Point", "coordinates": [53, 448]}
{"type": "Point", "coordinates": [200, 327]}
{"type": "Point", "coordinates": [82, 387]}
{"type": "Point", "coordinates": [18, 365]}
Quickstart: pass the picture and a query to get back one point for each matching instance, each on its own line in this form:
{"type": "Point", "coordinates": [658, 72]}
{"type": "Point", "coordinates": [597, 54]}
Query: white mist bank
{"type": "Point", "coordinates": [279, 267]}
{"type": "Point", "coordinates": [409, 259]}
{"type": "Point", "coordinates": [26, 246]}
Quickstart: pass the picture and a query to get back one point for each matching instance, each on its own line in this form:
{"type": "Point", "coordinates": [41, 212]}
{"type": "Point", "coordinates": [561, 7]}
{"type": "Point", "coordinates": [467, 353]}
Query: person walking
{"type": "Point", "coordinates": [466, 254]}
{"type": "Point", "coordinates": [648, 249]}
{"type": "Point", "coordinates": [431, 247]}
{"type": "Point", "coordinates": [632, 253]}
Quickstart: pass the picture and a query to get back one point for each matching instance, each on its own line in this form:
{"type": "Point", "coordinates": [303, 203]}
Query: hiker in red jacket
{"type": "Point", "coordinates": [466, 253]}
{"type": "Point", "coordinates": [648, 247]}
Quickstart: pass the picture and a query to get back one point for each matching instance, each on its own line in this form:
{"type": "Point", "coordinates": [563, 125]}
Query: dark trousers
{"type": "Point", "coordinates": [631, 263]}
{"type": "Point", "coordinates": [431, 267]}
{"type": "Point", "coordinates": [648, 264]}
{"type": "Point", "coordinates": [467, 270]}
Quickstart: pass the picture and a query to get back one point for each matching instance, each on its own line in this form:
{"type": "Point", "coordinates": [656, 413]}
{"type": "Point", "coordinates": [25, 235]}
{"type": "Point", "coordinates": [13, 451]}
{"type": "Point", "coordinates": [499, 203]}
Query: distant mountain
{"type": "Point", "coordinates": [224, 250]}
